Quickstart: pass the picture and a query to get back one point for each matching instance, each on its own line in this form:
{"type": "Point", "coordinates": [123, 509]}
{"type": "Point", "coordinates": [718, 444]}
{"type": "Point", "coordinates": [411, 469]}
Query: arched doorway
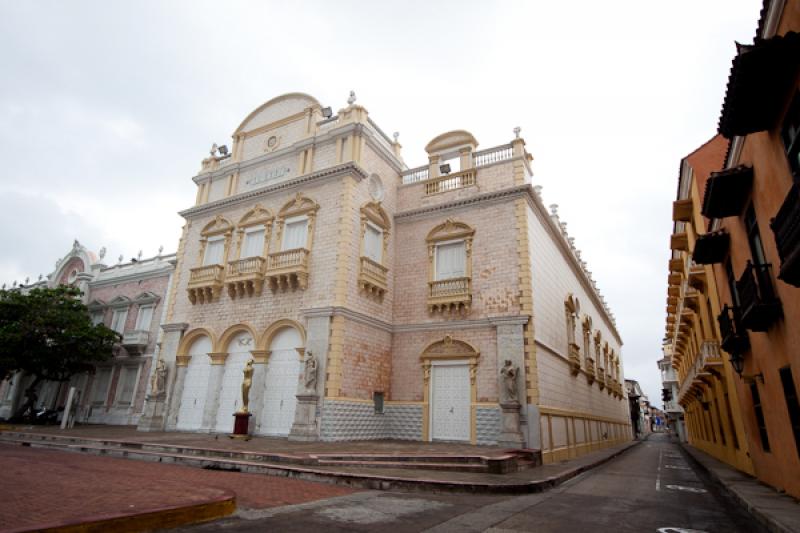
{"type": "Point", "coordinates": [193, 399]}
{"type": "Point", "coordinates": [230, 396]}
{"type": "Point", "coordinates": [280, 390]}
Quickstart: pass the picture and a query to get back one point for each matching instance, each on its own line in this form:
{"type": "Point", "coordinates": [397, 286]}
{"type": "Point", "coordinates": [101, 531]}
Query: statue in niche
{"type": "Point", "coordinates": [246, 384]}
{"type": "Point", "coordinates": [310, 372]}
{"type": "Point", "coordinates": [509, 374]}
{"type": "Point", "coordinates": [158, 383]}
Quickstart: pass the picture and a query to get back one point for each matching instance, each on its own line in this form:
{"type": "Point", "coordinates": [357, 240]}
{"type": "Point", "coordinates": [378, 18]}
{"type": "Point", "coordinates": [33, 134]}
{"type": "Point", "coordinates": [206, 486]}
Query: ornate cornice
{"type": "Point", "coordinates": [176, 326]}
{"type": "Point", "coordinates": [349, 168]}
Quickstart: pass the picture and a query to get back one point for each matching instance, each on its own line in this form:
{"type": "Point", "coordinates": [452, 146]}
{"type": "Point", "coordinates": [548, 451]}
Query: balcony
{"type": "Point", "coordinates": [601, 378]}
{"type": "Point", "coordinates": [288, 269]}
{"type": "Point", "coordinates": [135, 341]}
{"type": "Point", "coordinates": [574, 359]}
{"type": "Point", "coordinates": [760, 306]}
{"type": "Point", "coordinates": [734, 336]}
{"type": "Point", "coordinates": [372, 277]}
{"type": "Point", "coordinates": [590, 371]}
{"type": "Point", "coordinates": [786, 227]}
{"type": "Point", "coordinates": [205, 283]}
{"type": "Point", "coordinates": [727, 191]}
{"type": "Point", "coordinates": [711, 247]}
{"type": "Point", "coordinates": [682, 210]}
{"type": "Point", "coordinates": [454, 294]}
{"type": "Point", "coordinates": [710, 357]}
{"type": "Point", "coordinates": [451, 182]}
{"type": "Point", "coordinates": [761, 77]}
{"type": "Point", "coordinates": [245, 277]}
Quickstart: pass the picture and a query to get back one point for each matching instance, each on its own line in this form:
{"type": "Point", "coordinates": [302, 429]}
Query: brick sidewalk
{"type": "Point", "coordinates": [48, 487]}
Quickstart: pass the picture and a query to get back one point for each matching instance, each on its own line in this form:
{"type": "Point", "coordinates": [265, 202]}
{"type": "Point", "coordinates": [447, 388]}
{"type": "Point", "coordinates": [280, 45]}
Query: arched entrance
{"type": "Point", "coordinates": [280, 390]}
{"type": "Point", "coordinates": [193, 399]}
{"type": "Point", "coordinates": [449, 393]}
{"type": "Point", "coordinates": [230, 396]}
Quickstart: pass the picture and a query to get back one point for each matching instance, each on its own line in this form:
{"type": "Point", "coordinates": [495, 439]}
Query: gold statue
{"type": "Point", "coordinates": [246, 384]}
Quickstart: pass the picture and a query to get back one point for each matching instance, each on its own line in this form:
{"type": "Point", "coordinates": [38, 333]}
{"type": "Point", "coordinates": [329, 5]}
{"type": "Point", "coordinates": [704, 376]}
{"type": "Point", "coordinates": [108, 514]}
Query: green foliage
{"type": "Point", "coordinates": [47, 333]}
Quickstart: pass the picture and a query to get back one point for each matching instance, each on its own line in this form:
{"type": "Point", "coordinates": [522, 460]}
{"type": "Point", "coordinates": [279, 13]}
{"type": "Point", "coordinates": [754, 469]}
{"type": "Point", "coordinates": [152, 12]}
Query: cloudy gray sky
{"type": "Point", "coordinates": [107, 108]}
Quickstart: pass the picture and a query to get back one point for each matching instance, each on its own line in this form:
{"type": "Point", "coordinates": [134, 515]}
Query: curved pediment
{"type": "Point", "coordinates": [451, 140]}
{"type": "Point", "coordinates": [257, 215]}
{"type": "Point", "coordinates": [450, 229]}
{"type": "Point", "coordinates": [373, 212]}
{"type": "Point", "coordinates": [449, 348]}
{"type": "Point", "coordinates": [276, 109]}
{"type": "Point", "coordinates": [299, 205]}
{"type": "Point", "coordinates": [220, 224]}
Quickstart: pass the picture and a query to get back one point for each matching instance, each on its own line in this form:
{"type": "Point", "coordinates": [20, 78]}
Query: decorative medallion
{"type": "Point", "coordinates": [272, 143]}
{"type": "Point", "coordinates": [376, 190]}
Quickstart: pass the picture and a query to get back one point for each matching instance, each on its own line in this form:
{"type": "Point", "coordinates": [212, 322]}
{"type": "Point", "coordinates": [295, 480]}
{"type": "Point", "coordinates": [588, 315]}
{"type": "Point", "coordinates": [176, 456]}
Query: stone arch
{"type": "Point", "coordinates": [230, 333]}
{"type": "Point", "coordinates": [266, 338]}
{"type": "Point", "coordinates": [190, 337]}
{"type": "Point", "coordinates": [255, 216]}
{"type": "Point", "coordinates": [299, 205]}
{"type": "Point", "coordinates": [449, 348]}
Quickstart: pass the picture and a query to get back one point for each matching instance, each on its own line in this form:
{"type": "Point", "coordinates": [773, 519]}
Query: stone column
{"type": "Point", "coordinates": [260, 358]}
{"type": "Point", "coordinates": [170, 340]}
{"type": "Point", "coordinates": [212, 392]}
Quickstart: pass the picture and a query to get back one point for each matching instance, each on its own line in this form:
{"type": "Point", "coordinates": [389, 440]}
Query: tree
{"type": "Point", "coordinates": [47, 333]}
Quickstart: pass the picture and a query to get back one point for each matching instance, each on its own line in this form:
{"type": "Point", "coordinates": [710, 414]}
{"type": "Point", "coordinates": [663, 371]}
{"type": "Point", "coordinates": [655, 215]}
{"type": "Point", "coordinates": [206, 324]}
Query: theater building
{"type": "Point", "coordinates": [441, 302]}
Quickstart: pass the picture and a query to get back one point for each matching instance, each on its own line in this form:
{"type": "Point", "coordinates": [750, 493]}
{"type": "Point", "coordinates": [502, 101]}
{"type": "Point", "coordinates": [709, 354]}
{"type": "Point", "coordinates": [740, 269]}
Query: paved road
{"type": "Point", "coordinates": [652, 487]}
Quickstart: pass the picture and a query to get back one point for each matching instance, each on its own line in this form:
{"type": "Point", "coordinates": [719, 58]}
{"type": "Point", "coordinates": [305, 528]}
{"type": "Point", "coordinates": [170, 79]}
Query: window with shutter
{"type": "Point", "coordinates": [451, 260]}
{"type": "Point", "coordinates": [214, 251]}
{"type": "Point", "coordinates": [295, 233]}
{"type": "Point", "coordinates": [253, 243]}
{"type": "Point", "coordinates": [373, 243]}
{"type": "Point", "coordinates": [144, 318]}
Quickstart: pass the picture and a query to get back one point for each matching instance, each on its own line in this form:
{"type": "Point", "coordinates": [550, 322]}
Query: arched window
{"type": "Point", "coordinates": [587, 348]}
{"type": "Point", "coordinates": [571, 309]}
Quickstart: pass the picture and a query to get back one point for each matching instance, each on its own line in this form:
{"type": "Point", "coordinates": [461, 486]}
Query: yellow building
{"type": "Point", "coordinates": [706, 388]}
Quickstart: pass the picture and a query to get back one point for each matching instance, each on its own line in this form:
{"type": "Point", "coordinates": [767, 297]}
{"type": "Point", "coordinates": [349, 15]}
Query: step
{"type": "Point", "coordinates": [453, 467]}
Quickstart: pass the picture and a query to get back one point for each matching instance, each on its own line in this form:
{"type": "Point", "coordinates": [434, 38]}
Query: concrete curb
{"type": "Point", "coordinates": [160, 518]}
{"type": "Point", "coordinates": [349, 479]}
{"type": "Point", "coordinates": [778, 513]}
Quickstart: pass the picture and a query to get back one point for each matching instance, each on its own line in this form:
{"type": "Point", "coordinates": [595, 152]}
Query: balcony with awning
{"type": "Point", "coordinates": [760, 306]}
{"type": "Point", "coordinates": [786, 228]}
{"type": "Point", "coordinates": [734, 335]}
{"type": "Point", "coordinates": [761, 77]}
{"type": "Point", "coordinates": [711, 247]}
{"type": "Point", "coordinates": [727, 192]}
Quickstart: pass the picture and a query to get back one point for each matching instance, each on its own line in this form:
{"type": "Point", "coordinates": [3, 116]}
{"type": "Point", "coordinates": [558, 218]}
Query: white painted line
{"type": "Point", "coordinates": [676, 467]}
{"type": "Point", "coordinates": [658, 472]}
{"type": "Point", "coordinates": [678, 530]}
{"type": "Point", "coordinates": [687, 489]}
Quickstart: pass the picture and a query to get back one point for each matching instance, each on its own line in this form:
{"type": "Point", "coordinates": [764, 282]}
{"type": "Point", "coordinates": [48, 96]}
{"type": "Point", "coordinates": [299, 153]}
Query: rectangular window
{"type": "Point", "coordinates": [253, 243]}
{"type": "Point", "coordinates": [451, 260]}
{"type": "Point", "coordinates": [790, 133]}
{"type": "Point", "coordinates": [118, 320]}
{"type": "Point", "coordinates": [762, 425]}
{"type": "Point", "coordinates": [100, 389]}
{"type": "Point", "coordinates": [754, 236]}
{"type": "Point", "coordinates": [373, 243]}
{"type": "Point", "coordinates": [295, 233]}
{"type": "Point", "coordinates": [127, 382]}
{"type": "Point", "coordinates": [792, 404]}
{"type": "Point", "coordinates": [377, 399]}
{"type": "Point", "coordinates": [144, 318]}
{"type": "Point", "coordinates": [97, 317]}
{"type": "Point", "coordinates": [215, 248]}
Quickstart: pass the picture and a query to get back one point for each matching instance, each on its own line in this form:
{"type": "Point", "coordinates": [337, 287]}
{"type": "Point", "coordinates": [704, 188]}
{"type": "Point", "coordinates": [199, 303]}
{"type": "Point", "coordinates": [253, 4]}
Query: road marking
{"type": "Point", "coordinates": [658, 471]}
{"type": "Point", "coordinates": [676, 467]}
{"type": "Point", "coordinates": [687, 489]}
{"type": "Point", "coordinates": [678, 530]}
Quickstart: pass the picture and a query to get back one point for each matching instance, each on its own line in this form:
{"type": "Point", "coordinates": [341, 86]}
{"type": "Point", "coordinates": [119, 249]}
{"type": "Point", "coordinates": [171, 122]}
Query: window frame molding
{"type": "Point", "coordinates": [450, 231]}
{"type": "Point", "coordinates": [255, 217]}
{"type": "Point", "coordinates": [301, 205]}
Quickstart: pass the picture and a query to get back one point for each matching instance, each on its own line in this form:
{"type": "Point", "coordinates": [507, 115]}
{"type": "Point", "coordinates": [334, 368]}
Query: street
{"type": "Point", "coordinates": [652, 487]}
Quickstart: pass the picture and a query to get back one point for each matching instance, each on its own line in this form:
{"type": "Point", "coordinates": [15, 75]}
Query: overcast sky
{"type": "Point", "coordinates": [107, 108]}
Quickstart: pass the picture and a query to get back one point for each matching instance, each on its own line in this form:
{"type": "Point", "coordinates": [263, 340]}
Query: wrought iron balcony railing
{"type": "Point", "coordinates": [734, 336]}
{"type": "Point", "coordinates": [760, 307]}
{"type": "Point", "coordinates": [786, 227]}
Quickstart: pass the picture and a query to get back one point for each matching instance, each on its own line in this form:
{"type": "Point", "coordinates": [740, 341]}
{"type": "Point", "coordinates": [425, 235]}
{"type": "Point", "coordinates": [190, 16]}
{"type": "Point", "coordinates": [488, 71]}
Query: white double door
{"type": "Point", "coordinates": [230, 394]}
{"type": "Point", "coordinates": [450, 402]}
{"type": "Point", "coordinates": [281, 382]}
{"type": "Point", "coordinates": [195, 387]}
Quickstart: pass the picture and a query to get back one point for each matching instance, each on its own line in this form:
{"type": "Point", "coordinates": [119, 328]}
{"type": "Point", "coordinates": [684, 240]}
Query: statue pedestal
{"type": "Point", "coordinates": [241, 426]}
{"type": "Point", "coordinates": [511, 436]}
{"type": "Point", "coordinates": [305, 419]}
{"type": "Point", "coordinates": [153, 417]}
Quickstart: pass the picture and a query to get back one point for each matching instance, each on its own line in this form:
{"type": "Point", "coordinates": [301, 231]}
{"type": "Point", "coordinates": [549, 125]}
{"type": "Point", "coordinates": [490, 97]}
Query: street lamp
{"type": "Point", "coordinates": [737, 362]}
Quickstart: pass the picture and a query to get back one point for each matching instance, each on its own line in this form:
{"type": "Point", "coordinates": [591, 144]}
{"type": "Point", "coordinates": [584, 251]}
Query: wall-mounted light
{"type": "Point", "coordinates": [444, 169]}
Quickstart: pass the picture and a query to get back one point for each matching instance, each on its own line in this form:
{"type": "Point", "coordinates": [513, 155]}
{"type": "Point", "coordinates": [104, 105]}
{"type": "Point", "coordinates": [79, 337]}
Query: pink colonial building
{"type": "Point", "coordinates": [130, 299]}
{"type": "Point", "coordinates": [442, 302]}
